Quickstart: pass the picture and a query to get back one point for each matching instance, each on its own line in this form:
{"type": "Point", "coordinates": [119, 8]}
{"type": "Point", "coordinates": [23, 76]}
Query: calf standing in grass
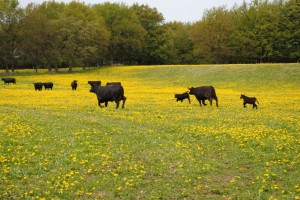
{"type": "Point", "coordinates": [249, 100]}
{"type": "Point", "coordinates": [74, 85]}
{"type": "Point", "coordinates": [181, 97]}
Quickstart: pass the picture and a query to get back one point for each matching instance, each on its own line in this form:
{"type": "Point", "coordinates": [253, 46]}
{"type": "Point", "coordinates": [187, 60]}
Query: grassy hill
{"type": "Point", "coordinates": [60, 145]}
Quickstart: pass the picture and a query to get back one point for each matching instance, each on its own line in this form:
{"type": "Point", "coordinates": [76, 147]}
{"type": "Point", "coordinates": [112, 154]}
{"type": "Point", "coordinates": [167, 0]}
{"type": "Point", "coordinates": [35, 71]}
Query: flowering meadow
{"type": "Point", "coordinates": [59, 144]}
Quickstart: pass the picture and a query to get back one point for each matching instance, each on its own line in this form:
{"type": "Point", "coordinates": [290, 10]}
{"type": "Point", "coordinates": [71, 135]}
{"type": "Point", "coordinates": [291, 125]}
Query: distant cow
{"type": "Point", "coordinates": [109, 93]}
{"type": "Point", "coordinates": [74, 85]}
{"type": "Point", "coordinates": [48, 85]}
{"type": "Point", "coordinates": [92, 83]}
{"type": "Point", "coordinates": [181, 97]}
{"type": "Point", "coordinates": [113, 83]}
{"type": "Point", "coordinates": [9, 80]}
{"type": "Point", "coordinates": [249, 100]}
{"type": "Point", "coordinates": [204, 92]}
{"type": "Point", "coordinates": [38, 86]}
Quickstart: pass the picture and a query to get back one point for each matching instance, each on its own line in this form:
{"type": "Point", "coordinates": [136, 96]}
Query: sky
{"type": "Point", "coordinates": [172, 10]}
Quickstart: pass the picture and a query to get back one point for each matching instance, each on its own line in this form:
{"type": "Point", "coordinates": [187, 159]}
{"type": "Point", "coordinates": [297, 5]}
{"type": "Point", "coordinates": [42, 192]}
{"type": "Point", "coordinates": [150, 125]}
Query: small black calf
{"type": "Point", "coordinates": [249, 100]}
{"type": "Point", "coordinates": [74, 85]}
{"type": "Point", "coordinates": [181, 97]}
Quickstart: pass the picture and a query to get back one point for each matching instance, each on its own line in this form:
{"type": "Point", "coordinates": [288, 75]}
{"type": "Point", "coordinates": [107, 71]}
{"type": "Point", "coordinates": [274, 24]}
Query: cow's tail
{"type": "Point", "coordinates": [256, 100]}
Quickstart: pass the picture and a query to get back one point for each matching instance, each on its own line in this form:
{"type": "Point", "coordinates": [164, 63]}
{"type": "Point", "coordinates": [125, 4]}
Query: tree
{"type": "Point", "coordinates": [289, 40]}
{"type": "Point", "coordinates": [10, 15]}
{"type": "Point", "coordinates": [212, 35]}
{"type": "Point", "coordinates": [157, 44]}
{"type": "Point", "coordinates": [126, 33]}
{"type": "Point", "coordinates": [182, 48]}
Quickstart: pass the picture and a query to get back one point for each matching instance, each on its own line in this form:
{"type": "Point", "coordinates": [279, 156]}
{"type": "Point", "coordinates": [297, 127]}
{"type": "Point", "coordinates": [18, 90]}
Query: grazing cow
{"type": "Point", "coordinates": [249, 100]}
{"type": "Point", "coordinates": [113, 83]}
{"type": "Point", "coordinates": [74, 85]}
{"type": "Point", "coordinates": [48, 85]}
{"type": "Point", "coordinates": [92, 83]}
{"type": "Point", "coordinates": [109, 93]}
{"type": "Point", "coordinates": [204, 92]}
{"type": "Point", "coordinates": [9, 80]}
{"type": "Point", "coordinates": [181, 97]}
{"type": "Point", "coordinates": [38, 86]}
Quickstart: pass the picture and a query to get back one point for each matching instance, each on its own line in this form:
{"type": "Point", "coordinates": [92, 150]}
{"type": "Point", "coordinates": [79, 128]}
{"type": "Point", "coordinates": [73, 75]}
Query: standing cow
{"type": "Point", "coordinates": [38, 86]}
{"type": "Point", "coordinates": [181, 97]}
{"type": "Point", "coordinates": [109, 93]}
{"type": "Point", "coordinates": [249, 100]}
{"type": "Point", "coordinates": [204, 92]}
{"type": "Point", "coordinates": [48, 85]}
{"type": "Point", "coordinates": [74, 85]}
{"type": "Point", "coordinates": [9, 80]}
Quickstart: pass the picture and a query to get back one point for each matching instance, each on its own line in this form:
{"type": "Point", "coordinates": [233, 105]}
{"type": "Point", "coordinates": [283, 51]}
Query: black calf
{"type": "Point", "coordinates": [249, 100]}
{"type": "Point", "coordinates": [181, 97]}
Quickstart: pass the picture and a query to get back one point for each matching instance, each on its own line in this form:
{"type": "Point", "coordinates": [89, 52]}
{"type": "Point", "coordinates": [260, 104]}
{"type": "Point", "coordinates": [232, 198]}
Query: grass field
{"type": "Point", "coordinates": [60, 145]}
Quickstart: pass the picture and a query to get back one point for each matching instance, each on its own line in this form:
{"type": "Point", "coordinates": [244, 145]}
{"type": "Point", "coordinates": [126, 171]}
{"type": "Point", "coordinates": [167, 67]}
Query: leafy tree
{"type": "Point", "coordinates": [212, 35]}
{"type": "Point", "coordinates": [157, 44]}
{"type": "Point", "coordinates": [182, 48]}
{"type": "Point", "coordinates": [10, 15]}
{"type": "Point", "coordinates": [289, 40]}
{"type": "Point", "coordinates": [126, 33]}
{"type": "Point", "coordinates": [83, 33]}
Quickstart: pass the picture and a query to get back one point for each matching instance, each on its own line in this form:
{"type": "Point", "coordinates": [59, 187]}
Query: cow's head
{"type": "Point", "coordinates": [242, 96]}
{"type": "Point", "coordinates": [192, 90]}
{"type": "Point", "coordinates": [94, 89]}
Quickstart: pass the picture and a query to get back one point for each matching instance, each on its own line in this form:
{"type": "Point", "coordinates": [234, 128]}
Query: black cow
{"type": "Point", "coordinates": [9, 80]}
{"type": "Point", "coordinates": [38, 86]}
{"type": "Point", "coordinates": [181, 97]}
{"type": "Point", "coordinates": [204, 92]}
{"type": "Point", "coordinates": [74, 85]}
{"type": "Point", "coordinates": [92, 83]}
{"type": "Point", "coordinates": [109, 93]}
{"type": "Point", "coordinates": [113, 83]}
{"type": "Point", "coordinates": [48, 85]}
{"type": "Point", "coordinates": [249, 100]}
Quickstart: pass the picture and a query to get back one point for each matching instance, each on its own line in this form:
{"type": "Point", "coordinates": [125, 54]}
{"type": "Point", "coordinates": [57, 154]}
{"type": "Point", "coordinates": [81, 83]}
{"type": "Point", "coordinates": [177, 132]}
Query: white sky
{"type": "Point", "coordinates": [172, 10]}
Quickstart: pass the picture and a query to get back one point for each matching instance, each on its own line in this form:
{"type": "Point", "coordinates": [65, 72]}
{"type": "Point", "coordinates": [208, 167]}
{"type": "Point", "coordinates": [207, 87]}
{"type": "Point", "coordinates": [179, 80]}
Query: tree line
{"type": "Point", "coordinates": [53, 35]}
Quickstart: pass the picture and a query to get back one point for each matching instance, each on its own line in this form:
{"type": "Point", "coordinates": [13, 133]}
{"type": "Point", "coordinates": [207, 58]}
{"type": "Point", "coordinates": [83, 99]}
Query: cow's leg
{"type": "Point", "coordinates": [203, 101]}
{"type": "Point", "coordinates": [124, 99]}
{"type": "Point", "coordinates": [210, 101]}
{"type": "Point", "coordinates": [99, 104]}
{"type": "Point", "coordinates": [254, 106]}
{"type": "Point", "coordinates": [200, 102]}
{"type": "Point", "coordinates": [189, 100]}
{"type": "Point", "coordinates": [118, 103]}
{"type": "Point", "coordinates": [217, 102]}
{"type": "Point", "coordinates": [106, 103]}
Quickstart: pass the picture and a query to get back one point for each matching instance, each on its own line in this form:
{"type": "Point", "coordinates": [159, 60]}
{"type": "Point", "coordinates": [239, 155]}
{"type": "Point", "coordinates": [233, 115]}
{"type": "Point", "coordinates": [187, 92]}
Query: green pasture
{"type": "Point", "coordinates": [60, 145]}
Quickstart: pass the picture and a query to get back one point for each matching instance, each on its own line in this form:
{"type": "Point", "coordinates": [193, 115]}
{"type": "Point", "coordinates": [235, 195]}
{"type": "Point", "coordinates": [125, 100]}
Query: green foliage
{"type": "Point", "coordinates": [126, 34]}
{"type": "Point", "coordinates": [56, 35]}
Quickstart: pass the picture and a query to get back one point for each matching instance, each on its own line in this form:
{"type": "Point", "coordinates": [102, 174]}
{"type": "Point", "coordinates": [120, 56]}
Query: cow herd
{"type": "Point", "coordinates": [114, 92]}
